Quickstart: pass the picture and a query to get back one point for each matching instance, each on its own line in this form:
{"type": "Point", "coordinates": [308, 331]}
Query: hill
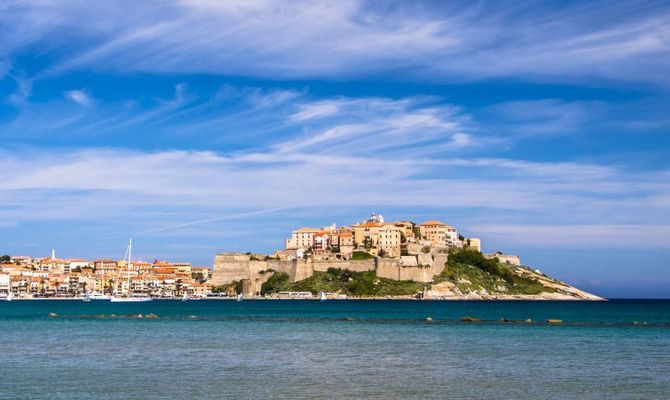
{"type": "Point", "coordinates": [467, 275]}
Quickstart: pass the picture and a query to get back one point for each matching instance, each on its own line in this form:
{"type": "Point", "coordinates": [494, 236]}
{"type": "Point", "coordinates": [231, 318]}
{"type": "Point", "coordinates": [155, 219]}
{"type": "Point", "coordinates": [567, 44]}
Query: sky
{"type": "Point", "coordinates": [198, 127]}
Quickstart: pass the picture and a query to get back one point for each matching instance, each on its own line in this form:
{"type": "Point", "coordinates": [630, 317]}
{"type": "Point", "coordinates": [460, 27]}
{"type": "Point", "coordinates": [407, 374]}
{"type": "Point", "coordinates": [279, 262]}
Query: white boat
{"type": "Point", "coordinates": [185, 297]}
{"type": "Point", "coordinates": [9, 297]}
{"type": "Point", "coordinates": [98, 296]}
{"type": "Point", "coordinates": [323, 296]}
{"type": "Point", "coordinates": [240, 297]}
{"type": "Point", "coordinates": [87, 297]}
{"type": "Point", "coordinates": [127, 298]}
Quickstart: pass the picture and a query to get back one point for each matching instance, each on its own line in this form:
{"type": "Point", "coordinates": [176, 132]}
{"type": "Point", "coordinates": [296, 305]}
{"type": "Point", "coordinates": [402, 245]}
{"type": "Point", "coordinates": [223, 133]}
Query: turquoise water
{"type": "Point", "coordinates": [214, 349]}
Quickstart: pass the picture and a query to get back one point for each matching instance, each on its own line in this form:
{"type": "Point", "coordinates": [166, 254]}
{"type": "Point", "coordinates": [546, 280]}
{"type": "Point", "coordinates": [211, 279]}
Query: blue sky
{"type": "Point", "coordinates": [202, 126]}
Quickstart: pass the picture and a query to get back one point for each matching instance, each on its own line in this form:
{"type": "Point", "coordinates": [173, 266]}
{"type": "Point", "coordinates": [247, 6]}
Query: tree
{"type": "Point", "coordinates": [367, 243]}
{"type": "Point", "coordinates": [5, 259]}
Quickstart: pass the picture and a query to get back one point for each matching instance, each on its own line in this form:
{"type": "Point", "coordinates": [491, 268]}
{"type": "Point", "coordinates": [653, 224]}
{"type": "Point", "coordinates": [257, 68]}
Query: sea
{"type": "Point", "coordinates": [336, 349]}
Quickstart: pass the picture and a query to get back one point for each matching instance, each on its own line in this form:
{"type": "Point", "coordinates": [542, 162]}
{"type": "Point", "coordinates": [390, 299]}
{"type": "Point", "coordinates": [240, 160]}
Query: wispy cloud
{"type": "Point", "coordinates": [449, 41]}
{"type": "Point", "coordinates": [24, 88]}
{"type": "Point", "coordinates": [98, 184]}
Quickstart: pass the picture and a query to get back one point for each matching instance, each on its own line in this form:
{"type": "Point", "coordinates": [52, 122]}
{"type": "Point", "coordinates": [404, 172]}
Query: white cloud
{"type": "Point", "coordinates": [79, 96]}
{"type": "Point", "coordinates": [590, 207]}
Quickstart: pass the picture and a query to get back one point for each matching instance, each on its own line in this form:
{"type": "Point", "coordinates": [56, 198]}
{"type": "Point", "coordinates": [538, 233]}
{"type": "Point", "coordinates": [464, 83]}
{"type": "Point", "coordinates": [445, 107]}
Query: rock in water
{"type": "Point", "coordinates": [470, 319]}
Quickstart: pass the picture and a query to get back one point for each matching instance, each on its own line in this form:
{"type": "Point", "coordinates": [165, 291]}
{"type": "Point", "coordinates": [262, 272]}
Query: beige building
{"type": "Point", "coordinates": [473, 244]}
{"type": "Point", "coordinates": [183, 267]}
{"type": "Point", "coordinates": [374, 237]}
{"type": "Point", "coordinates": [439, 234]}
{"type": "Point", "coordinates": [303, 238]}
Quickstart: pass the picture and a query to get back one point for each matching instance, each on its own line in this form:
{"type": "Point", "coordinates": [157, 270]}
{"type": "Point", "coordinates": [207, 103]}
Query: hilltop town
{"type": "Point", "coordinates": [370, 259]}
{"type": "Point", "coordinates": [377, 258]}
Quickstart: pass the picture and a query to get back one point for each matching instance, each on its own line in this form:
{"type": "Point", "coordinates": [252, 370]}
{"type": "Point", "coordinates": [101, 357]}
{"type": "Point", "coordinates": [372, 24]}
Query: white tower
{"type": "Point", "coordinates": [53, 254]}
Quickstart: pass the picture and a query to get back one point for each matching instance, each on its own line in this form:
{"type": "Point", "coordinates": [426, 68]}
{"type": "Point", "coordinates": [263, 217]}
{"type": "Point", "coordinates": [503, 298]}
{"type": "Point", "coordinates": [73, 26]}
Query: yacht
{"type": "Point", "coordinates": [323, 296]}
{"type": "Point", "coordinates": [127, 298]}
{"type": "Point", "coordinates": [98, 296]}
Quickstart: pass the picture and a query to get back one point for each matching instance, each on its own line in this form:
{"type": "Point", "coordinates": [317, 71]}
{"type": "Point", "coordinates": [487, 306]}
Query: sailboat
{"type": "Point", "coordinates": [127, 298]}
{"type": "Point", "coordinates": [9, 297]}
{"type": "Point", "coordinates": [323, 296]}
{"type": "Point", "coordinates": [87, 297]}
{"type": "Point", "coordinates": [240, 297]}
{"type": "Point", "coordinates": [185, 297]}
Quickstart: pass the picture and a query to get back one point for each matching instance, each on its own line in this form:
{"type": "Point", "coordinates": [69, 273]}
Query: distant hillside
{"type": "Point", "coordinates": [467, 275]}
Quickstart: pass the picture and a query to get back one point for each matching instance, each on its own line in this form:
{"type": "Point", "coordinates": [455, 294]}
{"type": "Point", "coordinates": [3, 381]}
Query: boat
{"type": "Point", "coordinates": [131, 299]}
{"type": "Point", "coordinates": [127, 298]}
{"type": "Point", "coordinates": [87, 297]}
{"type": "Point", "coordinates": [98, 296]}
{"type": "Point", "coordinates": [240, 297]}
{"type": "Point", "coordinates": [323, 296]}
{"type": "Point", "coordinates": [185, 297]}
{"type": "Point", "coordinates": [9, 297]}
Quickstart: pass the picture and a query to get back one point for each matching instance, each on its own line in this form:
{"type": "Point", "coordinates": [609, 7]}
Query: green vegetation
{"type": "Point", "coordinates": [471, 272]}
{"type": "Point", "coordinates": [361, 255]}
{"type": "Point", "coordinates": [5, 259]}
{"type": "Point", "coordinates": [238, 286]}
{"type": "Point", "coordinates": [361, 284]}
{"type": "Point", "coordinates": [278, 282]}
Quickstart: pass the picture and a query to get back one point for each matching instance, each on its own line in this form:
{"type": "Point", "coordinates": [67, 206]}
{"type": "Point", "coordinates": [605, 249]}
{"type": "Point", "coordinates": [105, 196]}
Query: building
{"type": "Point", "coordinates": [303, 238]}
{"type": "Point", "coordinates": [439, 234]}
{"type": "Point", "coordinates": [105, 266]}
{"type": "Point", "coordinates": [473, 244]}
{"type": "Point", "coordinates": [5, 285]}
{"type": "Point", "coordinates": [374, 237]}
{"type": "Point", "coordinates": [321, 242]}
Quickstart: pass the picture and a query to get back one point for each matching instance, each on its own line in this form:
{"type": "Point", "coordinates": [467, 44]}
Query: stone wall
{"type": "Point", "coordinates": [229, 267]}
{"type": "Point", "coordinates": [438, 263]}
{"type": "Point", "coordinates": [352, 265]}
{"type": "Point", "coordinates": [302, 269]}
{"type": "Point", "coordinates": [505, 258]}
{"type": "Point", "coordinates": [392, 269]}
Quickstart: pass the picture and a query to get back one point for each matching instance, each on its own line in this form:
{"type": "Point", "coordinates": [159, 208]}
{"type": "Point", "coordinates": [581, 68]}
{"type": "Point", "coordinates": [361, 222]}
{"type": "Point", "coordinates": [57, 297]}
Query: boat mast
{"type": "Point", "coordinates": [130, 250]}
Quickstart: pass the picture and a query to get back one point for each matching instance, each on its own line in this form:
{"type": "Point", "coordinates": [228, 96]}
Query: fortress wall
{"type": "Point", "coordinates": [285, 266]}
{"type": "Point", "coordinates": [391, 269]}
{"type": "Point", "coordinates": [302, 269]}
{"type": "Point", "coordinates": [229, 267]}
{"type": "Point", "coordinates": [438, 263]}
{"type": "Point", "coordinates": [352, 265]}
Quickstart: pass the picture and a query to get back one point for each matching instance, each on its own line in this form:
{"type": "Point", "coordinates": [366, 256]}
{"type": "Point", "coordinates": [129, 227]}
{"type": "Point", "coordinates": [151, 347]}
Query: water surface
{"type": "Point", "coordinates": [215, 349]}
